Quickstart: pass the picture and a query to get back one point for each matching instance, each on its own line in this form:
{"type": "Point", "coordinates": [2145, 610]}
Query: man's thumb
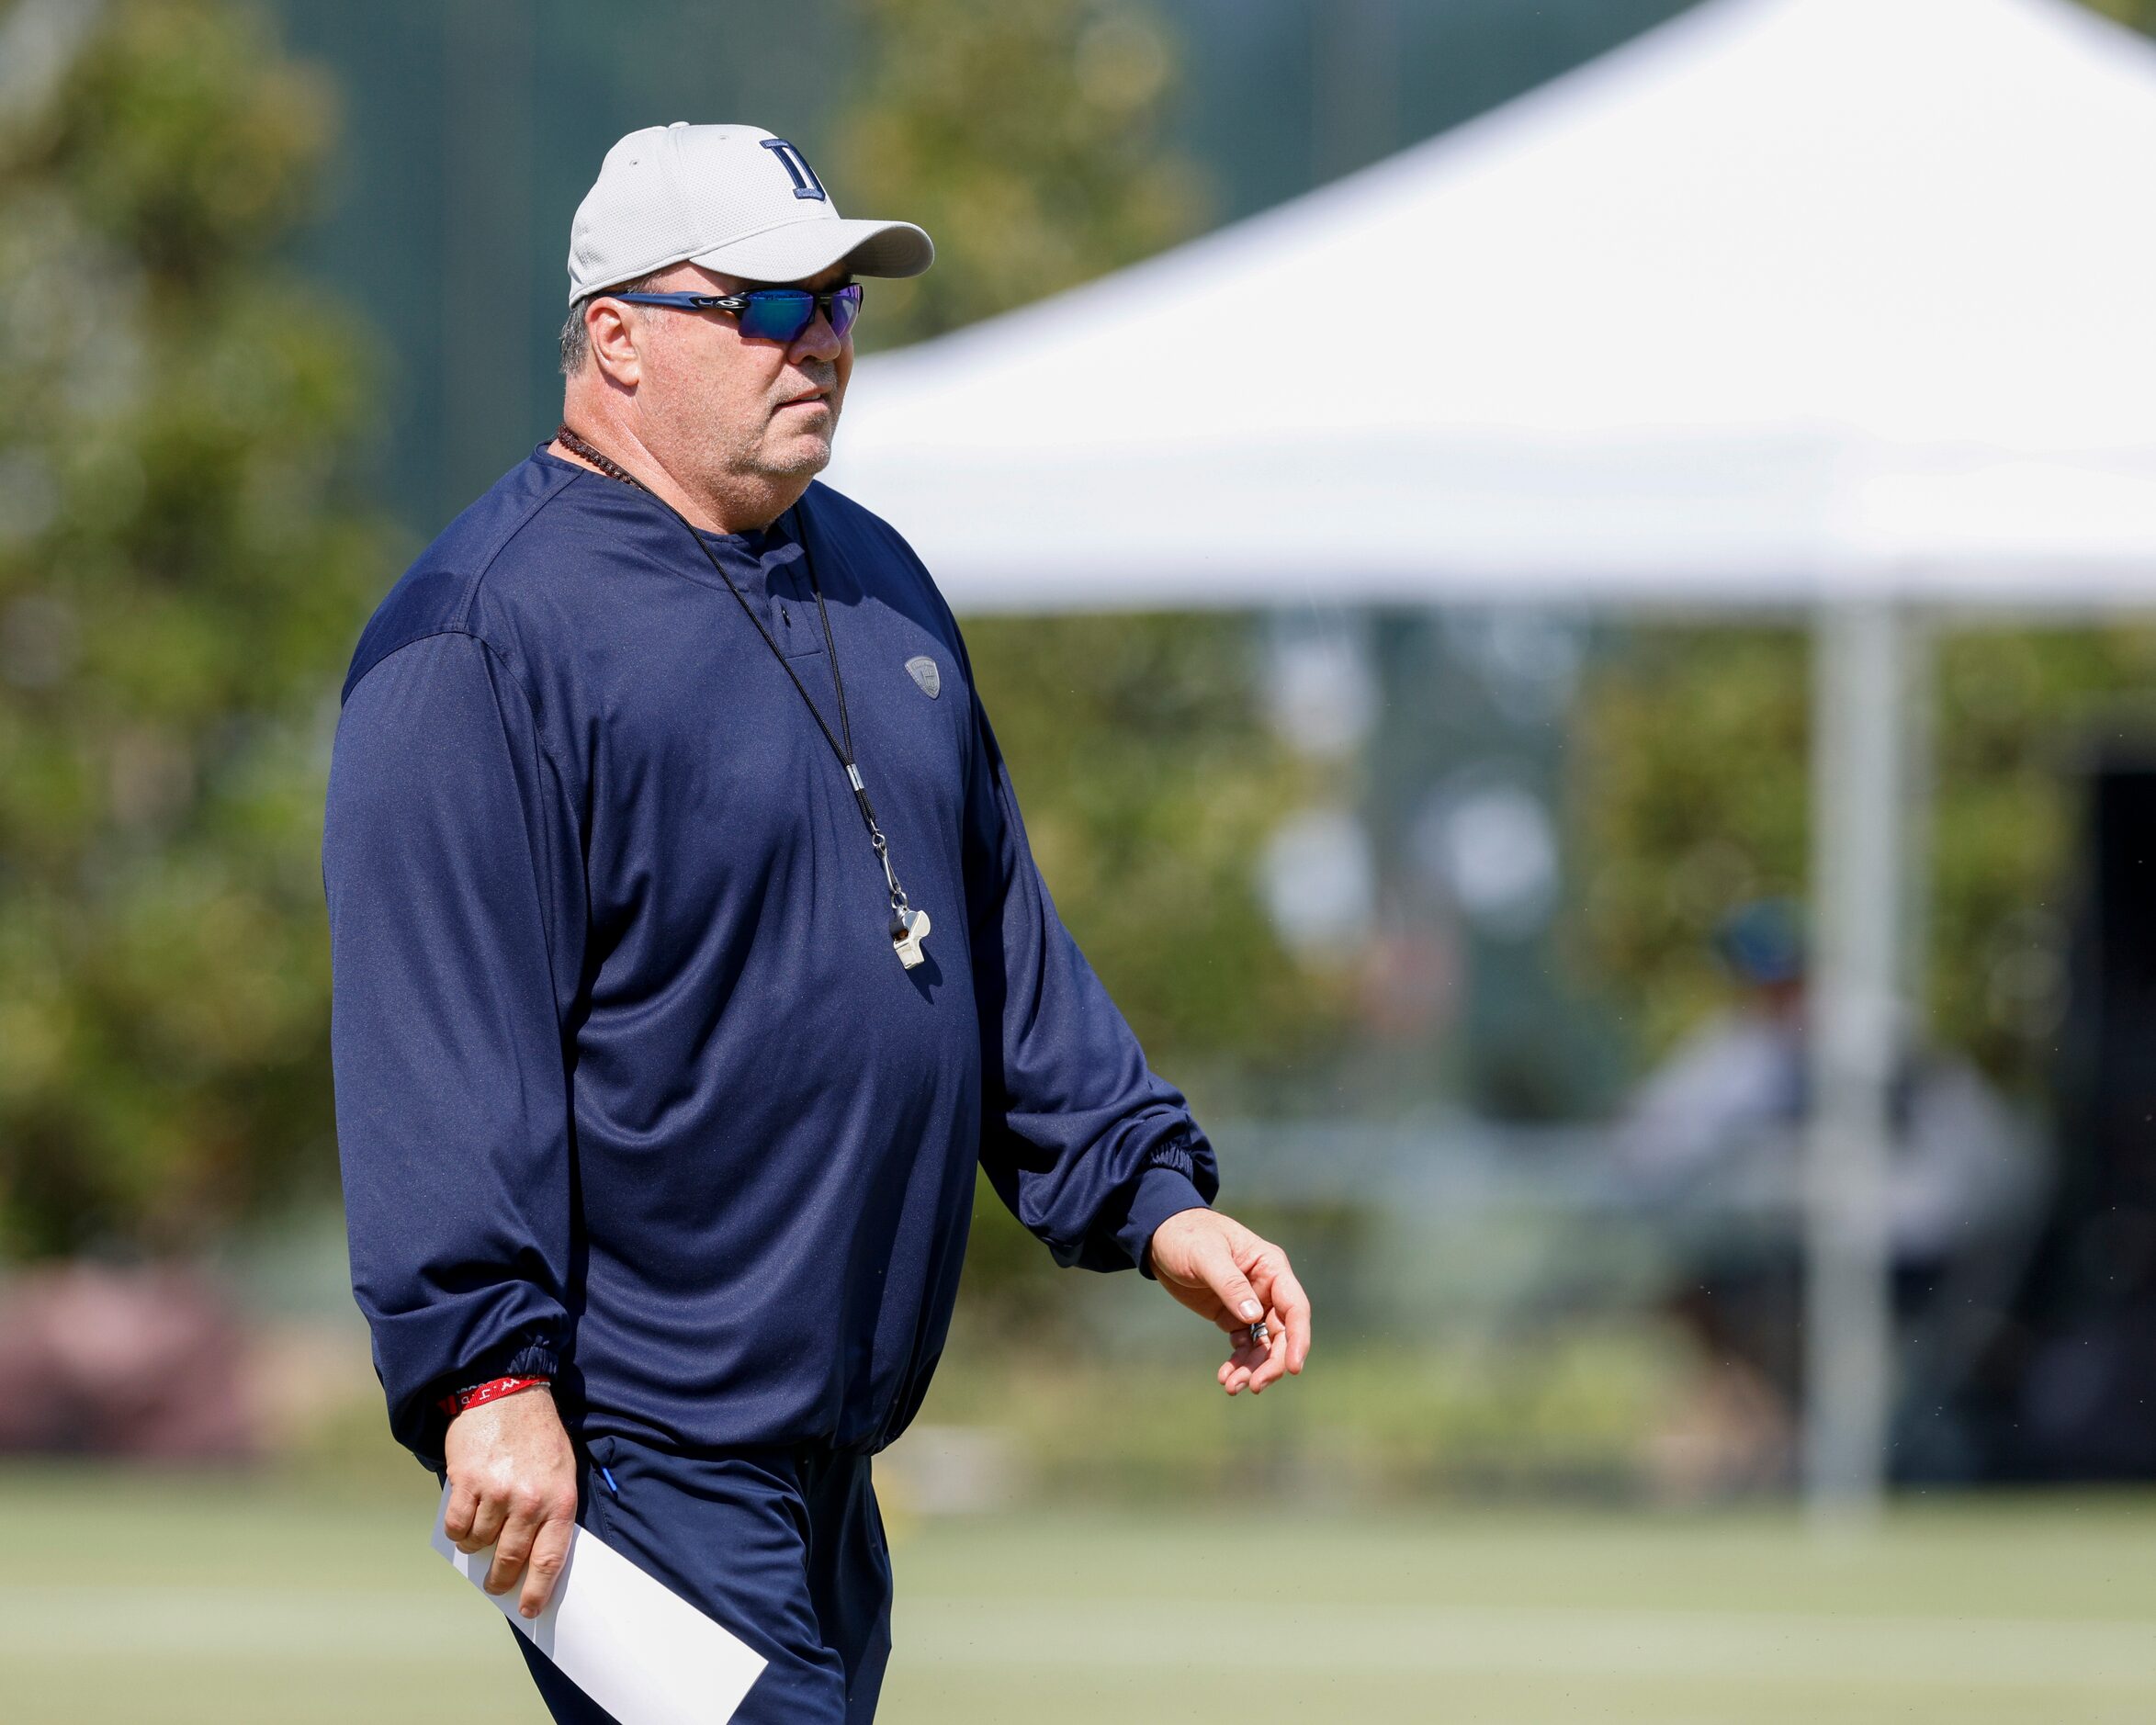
{"type": "Point", "coordinates": [1218, 1265]}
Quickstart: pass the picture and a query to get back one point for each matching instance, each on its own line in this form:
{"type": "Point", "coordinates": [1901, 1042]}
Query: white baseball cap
{"type": "Point", "coordinates": [731, 197]}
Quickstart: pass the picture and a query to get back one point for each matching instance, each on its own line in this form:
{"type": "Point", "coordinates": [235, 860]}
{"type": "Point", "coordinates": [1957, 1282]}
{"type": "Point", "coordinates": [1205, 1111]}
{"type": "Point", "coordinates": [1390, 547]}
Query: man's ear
{"type": "Point", "coordinates": [613, 338]}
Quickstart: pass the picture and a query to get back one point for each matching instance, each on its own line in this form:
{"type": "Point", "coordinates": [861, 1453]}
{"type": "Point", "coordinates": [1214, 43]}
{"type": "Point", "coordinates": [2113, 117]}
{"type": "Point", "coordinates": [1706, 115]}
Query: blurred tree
{"type": "Point", "coordinates": [1027, 138]}
{"type": "Point", "coordinates": [1689, 783]}
{"type": "Point", "coordinates": [2139, 14]}
{"type": "Point", "coordinates": [1692, 786]}
{"type": "Point", "coordinates": [181, 574]}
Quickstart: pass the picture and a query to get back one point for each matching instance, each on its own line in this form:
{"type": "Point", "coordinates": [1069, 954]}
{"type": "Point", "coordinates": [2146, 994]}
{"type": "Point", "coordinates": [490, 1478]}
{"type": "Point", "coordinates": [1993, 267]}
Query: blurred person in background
{"type": "Point", "coordinates": [1715, 1138]}
{"type": "Point", "coordinates": [659, 1092]}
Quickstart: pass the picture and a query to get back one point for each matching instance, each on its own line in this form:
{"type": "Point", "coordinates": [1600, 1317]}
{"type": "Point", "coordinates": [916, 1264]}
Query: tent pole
{"type": "Point", "coordinates": [1859, 769]}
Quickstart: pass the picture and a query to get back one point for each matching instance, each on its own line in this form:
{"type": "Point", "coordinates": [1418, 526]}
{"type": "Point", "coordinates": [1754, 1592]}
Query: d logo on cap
{"type": "Point", "coordinates": [805, 183]}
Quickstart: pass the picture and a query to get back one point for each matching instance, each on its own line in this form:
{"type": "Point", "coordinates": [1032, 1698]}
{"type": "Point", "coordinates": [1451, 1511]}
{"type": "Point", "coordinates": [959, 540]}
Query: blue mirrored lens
{"type": "Point", "coordinates": [845, 308]}
{"type": "Point", "coordinates": [780, 314]}
{"type": "Point", "coordinates": [777, 314]}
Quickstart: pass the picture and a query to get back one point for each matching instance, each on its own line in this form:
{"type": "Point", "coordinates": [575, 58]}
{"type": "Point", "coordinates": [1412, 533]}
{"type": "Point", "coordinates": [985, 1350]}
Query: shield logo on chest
{"type": "Point", "coordinates": [922, 668]}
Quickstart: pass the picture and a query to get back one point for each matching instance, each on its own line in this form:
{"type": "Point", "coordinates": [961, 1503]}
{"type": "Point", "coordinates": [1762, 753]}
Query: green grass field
{"type": "Point", "coordinates": [168, 1602]}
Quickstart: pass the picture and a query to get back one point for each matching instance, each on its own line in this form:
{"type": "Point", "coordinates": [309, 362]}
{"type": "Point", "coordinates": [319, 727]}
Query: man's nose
{"type": "Point", "coordinates": [819, 341]}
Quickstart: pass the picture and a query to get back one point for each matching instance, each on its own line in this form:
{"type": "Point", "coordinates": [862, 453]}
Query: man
{"type": "Point", "coordinates": [689, 954]}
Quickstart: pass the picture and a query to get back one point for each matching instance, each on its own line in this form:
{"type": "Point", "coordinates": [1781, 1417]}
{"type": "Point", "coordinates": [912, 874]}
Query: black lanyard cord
{"type": "Point", "coordinates": [843, 748]}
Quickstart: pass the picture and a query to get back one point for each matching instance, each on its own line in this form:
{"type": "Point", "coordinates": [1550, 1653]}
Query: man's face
{"type": "Point", "coordinates": [718, 406]}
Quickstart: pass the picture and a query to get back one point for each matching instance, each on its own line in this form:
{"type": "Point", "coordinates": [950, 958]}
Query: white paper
{"type": "Point", "coordinates": [642, 1652]}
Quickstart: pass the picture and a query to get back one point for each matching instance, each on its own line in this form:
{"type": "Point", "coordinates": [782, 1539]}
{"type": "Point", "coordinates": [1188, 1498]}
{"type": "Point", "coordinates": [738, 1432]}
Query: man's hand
{"type": "Point", "coordinates": [1226, 1274]}
{"type": "Point", "coordinates": [513, 1486]}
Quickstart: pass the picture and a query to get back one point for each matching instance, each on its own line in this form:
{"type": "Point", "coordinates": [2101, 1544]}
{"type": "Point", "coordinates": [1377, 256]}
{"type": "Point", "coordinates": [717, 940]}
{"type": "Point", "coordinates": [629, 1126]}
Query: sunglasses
{"type": "Point", "coordinates": [768, 314]}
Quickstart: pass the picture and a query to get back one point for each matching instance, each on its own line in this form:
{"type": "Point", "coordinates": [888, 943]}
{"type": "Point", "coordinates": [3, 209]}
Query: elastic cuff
{"type": "Point", "coordinates": [536, 1359]}
{"type": "Point", "coordinates": [1161, 1192]}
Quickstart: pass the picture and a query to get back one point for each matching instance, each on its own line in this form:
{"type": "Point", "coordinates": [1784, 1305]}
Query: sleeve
{"type": "Point", "coordinates": [1089, 1148]}
{"type": "Point", "coordinates": [450, 865]}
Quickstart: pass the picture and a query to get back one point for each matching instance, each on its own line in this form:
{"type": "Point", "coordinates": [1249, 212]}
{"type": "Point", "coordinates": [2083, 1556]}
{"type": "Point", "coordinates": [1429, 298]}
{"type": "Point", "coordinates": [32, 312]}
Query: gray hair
{"type": "Point", "coordinates": [576, 343]}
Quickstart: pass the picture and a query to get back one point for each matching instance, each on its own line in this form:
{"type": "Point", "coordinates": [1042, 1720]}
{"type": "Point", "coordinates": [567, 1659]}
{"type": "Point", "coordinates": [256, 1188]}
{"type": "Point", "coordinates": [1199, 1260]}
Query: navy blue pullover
{"type": "Point", "coordinates": [630, 1085]}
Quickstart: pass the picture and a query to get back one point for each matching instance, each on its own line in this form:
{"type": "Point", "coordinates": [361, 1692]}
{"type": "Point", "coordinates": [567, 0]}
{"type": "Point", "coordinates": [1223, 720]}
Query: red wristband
{"type": "Point", "coordinates": [493, 1390]}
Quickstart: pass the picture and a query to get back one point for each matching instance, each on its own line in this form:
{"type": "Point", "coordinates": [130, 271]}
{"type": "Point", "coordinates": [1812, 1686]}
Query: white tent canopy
{"type": "Point", "coordinates": [1788, 300]}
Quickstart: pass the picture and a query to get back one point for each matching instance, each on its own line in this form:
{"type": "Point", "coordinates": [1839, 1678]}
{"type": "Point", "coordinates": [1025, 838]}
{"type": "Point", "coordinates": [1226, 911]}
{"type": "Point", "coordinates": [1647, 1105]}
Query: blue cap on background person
{"type": "Point", "coordinates": [732, 199]}
{"type": "Point", "coordinates": [1763, 942]}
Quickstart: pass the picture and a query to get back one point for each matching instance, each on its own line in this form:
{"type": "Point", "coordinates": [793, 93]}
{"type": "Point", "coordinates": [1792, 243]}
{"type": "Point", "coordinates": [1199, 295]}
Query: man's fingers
{"type": "Point", "coordinates": [458, 1518]}
{"type": "Point", "coordinates": [549, 1552]}
{"type": "Point", "coordinates": [1273, 1367]}
{"type": "Point", "coordinates": [1235, 1374]}
{"type": "Point", "coordinates": [1293, 1306]}
{"type": "Point", "coordinates": [512, 1548]}
{"type": "Point", "coordinates": [489, 1512]}
{"type": "Point", "coordinates": [1242, 1362]}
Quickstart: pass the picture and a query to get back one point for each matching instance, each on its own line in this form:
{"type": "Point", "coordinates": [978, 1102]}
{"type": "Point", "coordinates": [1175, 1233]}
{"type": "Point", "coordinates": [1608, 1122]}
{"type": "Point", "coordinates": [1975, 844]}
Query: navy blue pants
{"type": "Point", "coordinates": [783, 1546]}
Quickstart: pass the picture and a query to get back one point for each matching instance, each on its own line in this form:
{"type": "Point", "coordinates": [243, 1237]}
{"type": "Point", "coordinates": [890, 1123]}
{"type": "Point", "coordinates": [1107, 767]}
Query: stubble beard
{"type": "Point", "coordinates": [771, 451]}
{"type": "Point", "coordinates": [803, 454]}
